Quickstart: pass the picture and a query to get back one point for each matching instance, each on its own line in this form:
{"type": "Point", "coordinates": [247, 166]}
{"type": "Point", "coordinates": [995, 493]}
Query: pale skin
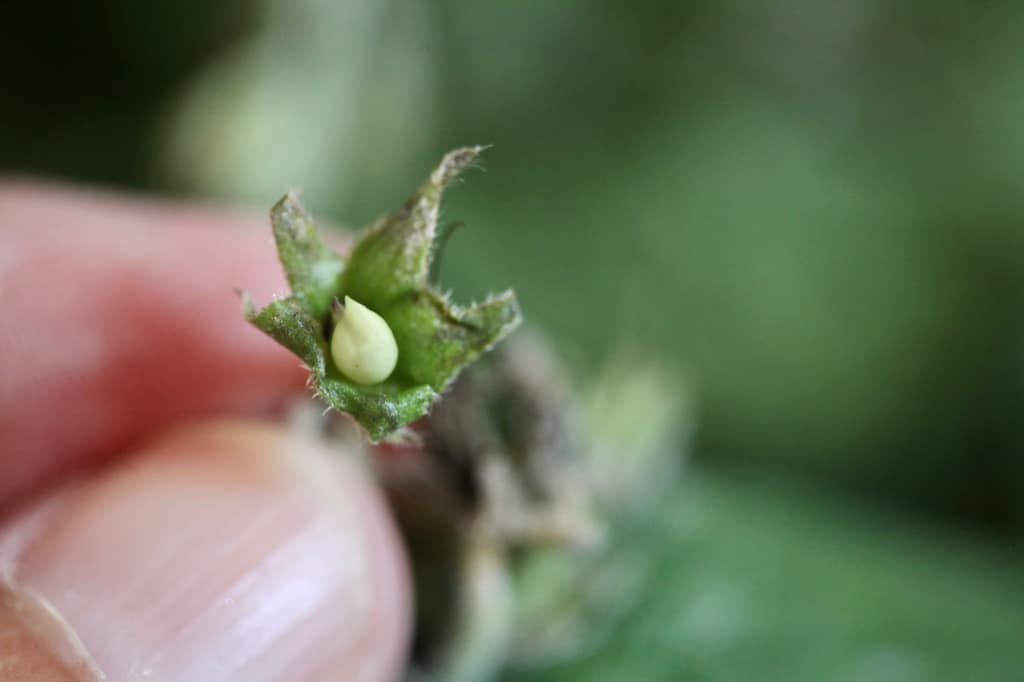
{"type": "Point", "coordinates": [157, 520]}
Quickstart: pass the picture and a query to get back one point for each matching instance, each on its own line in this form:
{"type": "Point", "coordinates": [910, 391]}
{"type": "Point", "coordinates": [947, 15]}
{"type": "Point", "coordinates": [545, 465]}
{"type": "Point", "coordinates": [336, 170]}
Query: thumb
{"type": "Point", "coordinates": [225, 551]}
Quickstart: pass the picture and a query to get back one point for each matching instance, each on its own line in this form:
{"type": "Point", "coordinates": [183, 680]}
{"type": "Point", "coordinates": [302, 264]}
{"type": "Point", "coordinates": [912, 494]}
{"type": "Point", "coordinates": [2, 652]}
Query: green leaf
{"type": "Point", "coordinates": [290, 323]}
{"type": "Point", "coordinates": [393, 256]}
{"type": "Point", "coordinates": [312, 269]}
{"type": "Point", "coordinates": [389, 272]}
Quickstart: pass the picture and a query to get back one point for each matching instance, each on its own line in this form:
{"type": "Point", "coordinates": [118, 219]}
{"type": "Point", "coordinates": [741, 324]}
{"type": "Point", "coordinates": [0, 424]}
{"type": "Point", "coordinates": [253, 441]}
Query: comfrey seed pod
{"type": "Point", "coordinates": [362, 346]}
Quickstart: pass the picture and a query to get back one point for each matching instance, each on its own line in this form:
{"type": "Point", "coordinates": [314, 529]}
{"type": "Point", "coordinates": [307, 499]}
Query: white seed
{"type": "Point", "coordinates": [362, 346]}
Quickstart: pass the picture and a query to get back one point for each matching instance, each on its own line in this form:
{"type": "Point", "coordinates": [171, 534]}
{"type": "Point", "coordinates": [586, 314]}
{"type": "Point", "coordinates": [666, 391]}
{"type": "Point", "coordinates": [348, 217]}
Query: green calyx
{"type": "Point", "coordinates": [388, 272]}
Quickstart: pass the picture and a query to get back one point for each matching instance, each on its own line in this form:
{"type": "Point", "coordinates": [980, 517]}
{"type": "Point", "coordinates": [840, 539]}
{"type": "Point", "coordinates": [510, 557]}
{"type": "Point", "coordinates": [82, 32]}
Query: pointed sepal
{"type": "Point", "coordinates": [389, 272]}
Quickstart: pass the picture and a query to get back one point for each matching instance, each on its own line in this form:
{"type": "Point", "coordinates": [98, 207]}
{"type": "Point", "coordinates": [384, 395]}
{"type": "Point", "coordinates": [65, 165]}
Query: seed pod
{"type": "Point", "coordinates": [362, 346]}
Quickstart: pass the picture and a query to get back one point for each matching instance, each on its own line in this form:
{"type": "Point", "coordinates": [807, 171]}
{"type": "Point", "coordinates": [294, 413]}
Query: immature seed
{"type": "Point", "coordinates": [362, 346]}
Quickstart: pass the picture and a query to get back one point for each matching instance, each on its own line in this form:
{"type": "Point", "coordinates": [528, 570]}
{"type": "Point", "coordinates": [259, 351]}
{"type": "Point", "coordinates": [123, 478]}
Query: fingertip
{"type": "Point", "coordinates": [121, 317]}
{"type": "Point", "coordinates": [222, 552]}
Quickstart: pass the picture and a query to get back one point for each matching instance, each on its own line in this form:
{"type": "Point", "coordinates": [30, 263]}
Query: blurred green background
{"type": "Point", "coordinates": [813, 211]}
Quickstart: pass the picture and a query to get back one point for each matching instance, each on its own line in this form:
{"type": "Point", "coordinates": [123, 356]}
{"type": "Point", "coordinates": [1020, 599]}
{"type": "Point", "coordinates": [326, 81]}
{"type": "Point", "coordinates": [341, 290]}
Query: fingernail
{"type": "Point", "coordinates": [223, 552]}
{"type": "Point", "coordinates": [36, 645]}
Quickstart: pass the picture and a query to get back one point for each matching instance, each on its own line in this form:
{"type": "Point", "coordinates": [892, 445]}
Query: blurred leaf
{"type": "Point", "coordinates": [741, 584]}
